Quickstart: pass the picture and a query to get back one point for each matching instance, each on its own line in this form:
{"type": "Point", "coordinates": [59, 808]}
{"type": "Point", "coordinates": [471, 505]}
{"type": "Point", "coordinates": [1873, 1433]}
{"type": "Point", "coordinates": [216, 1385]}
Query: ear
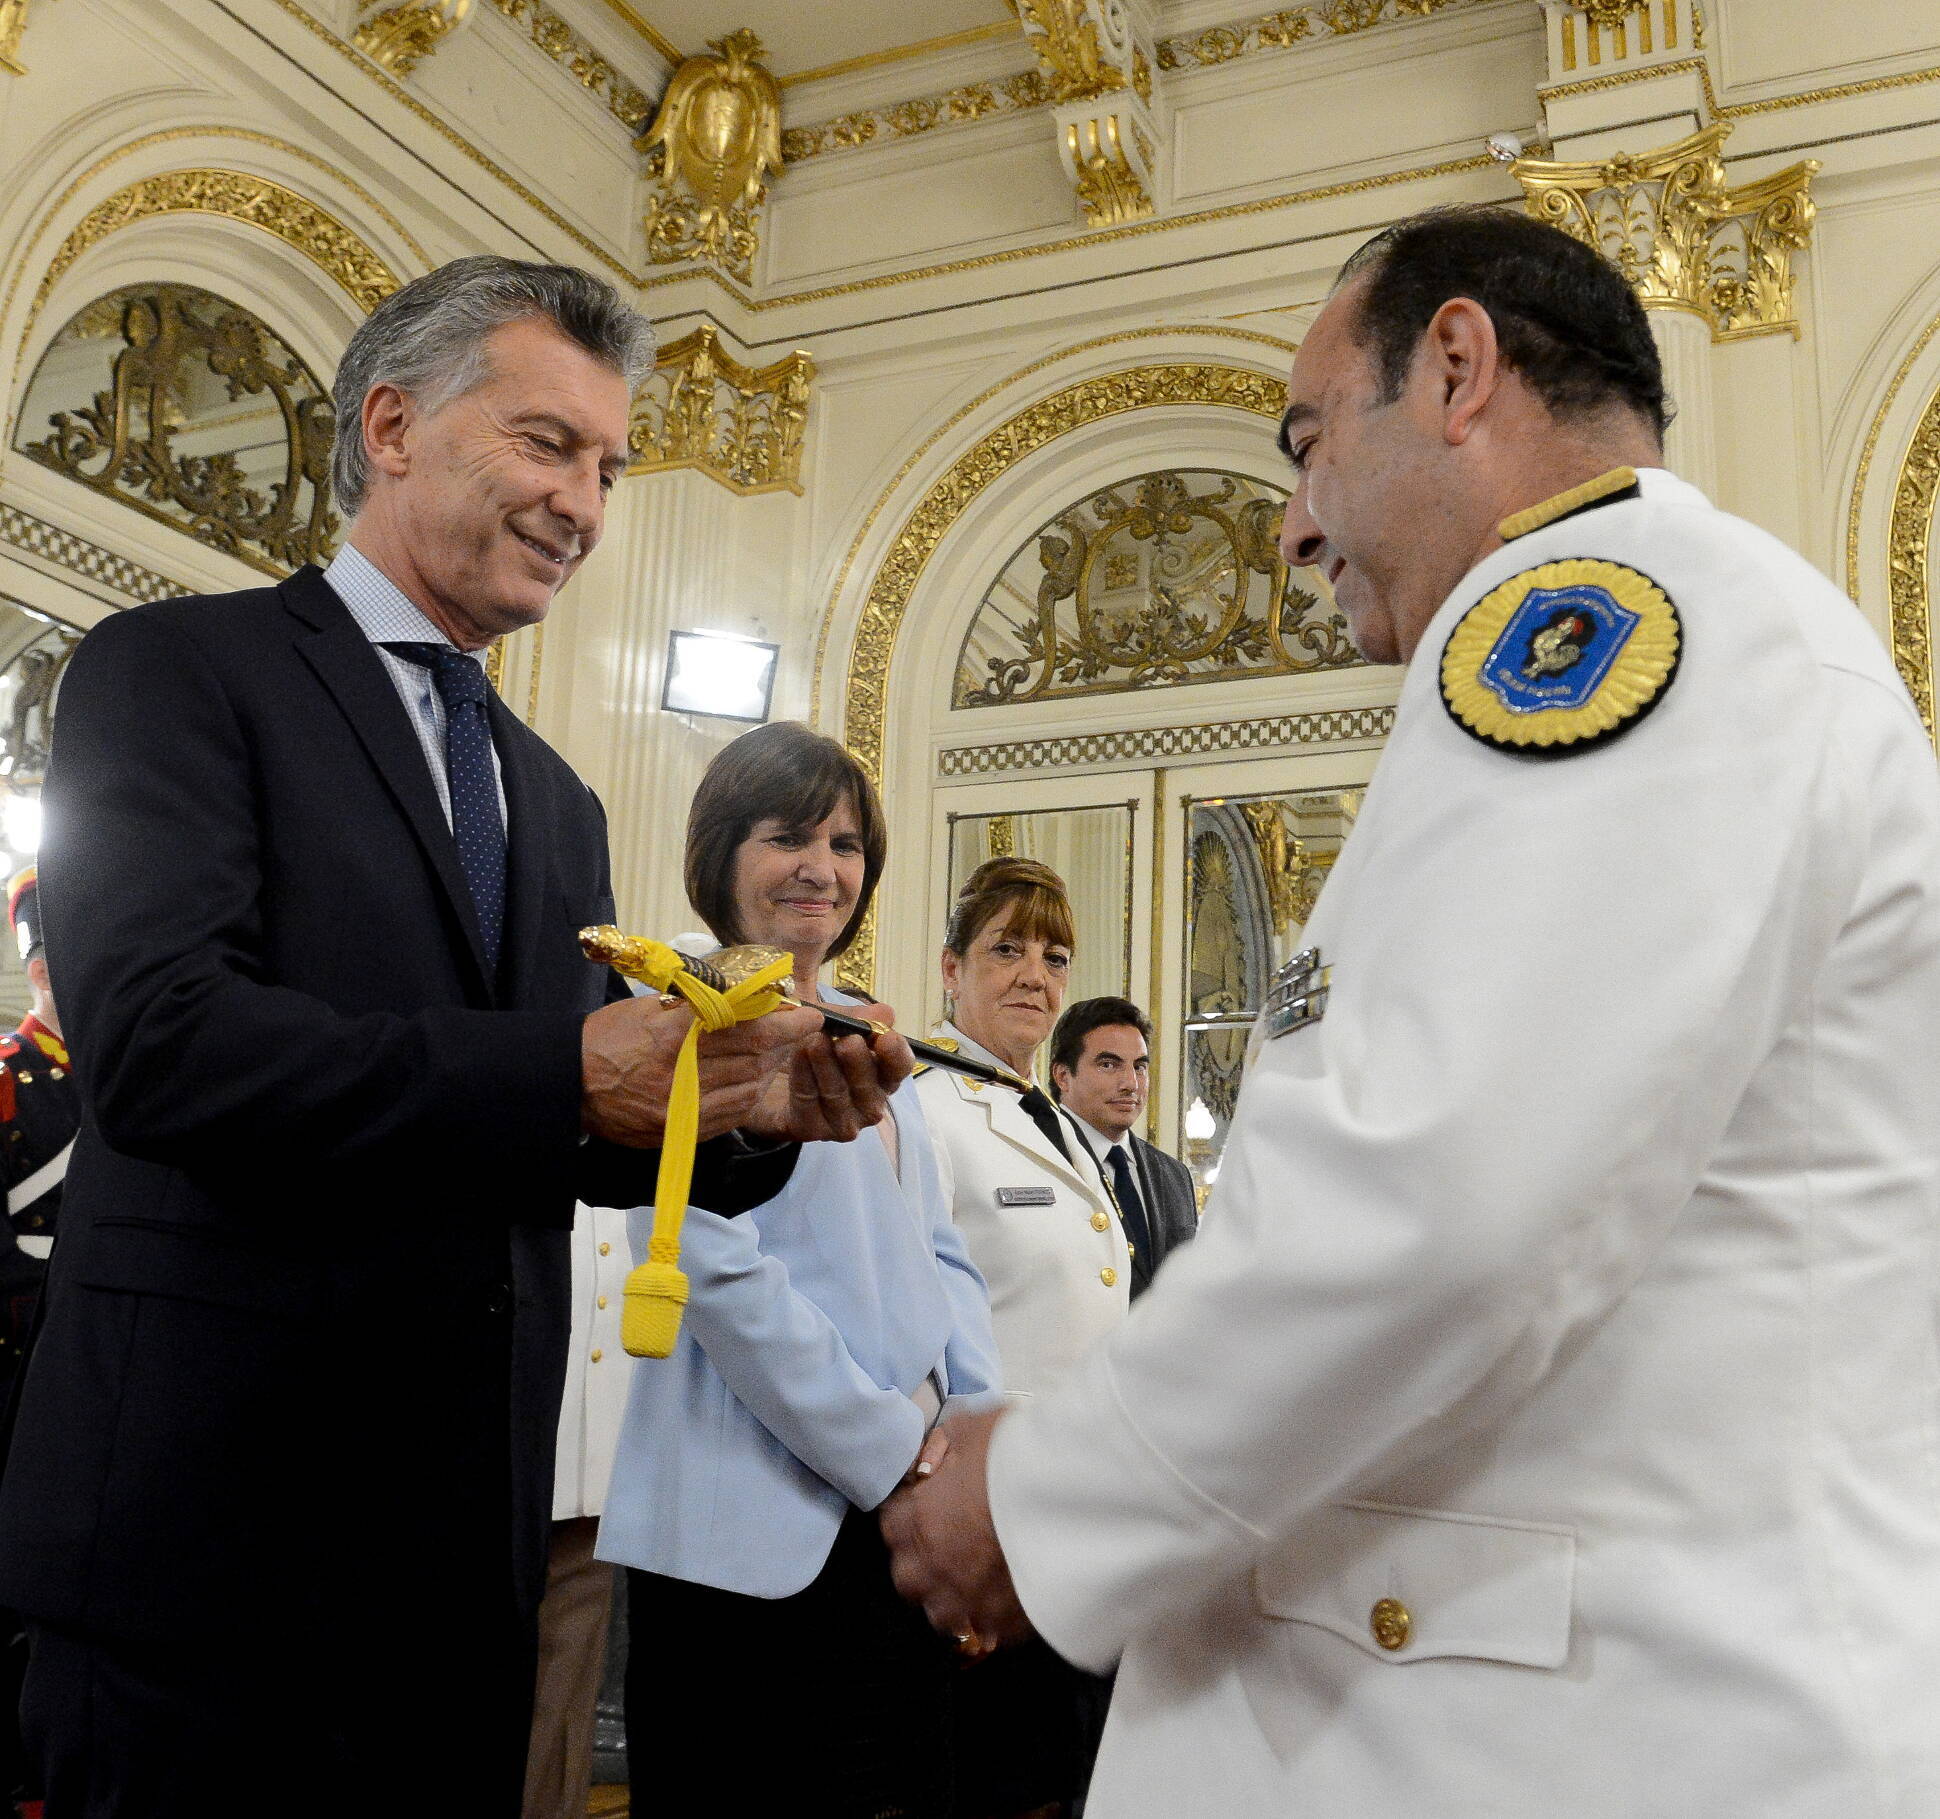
{"type": "Point", "coordinates": [387, 417]}
{"type": "Point", "coordinates": [37, 974]}
{"type": "Point", "coordinates": [951, 969]}
{"type": "Point", "coordinates": [1464, 363]}
{"type": "Point", "coordinates": [1061, 1077]}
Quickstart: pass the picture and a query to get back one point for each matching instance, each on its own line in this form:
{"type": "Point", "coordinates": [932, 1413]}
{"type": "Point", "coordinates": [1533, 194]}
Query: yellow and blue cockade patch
{"type": "Point", "coordinates": [1561, 657]}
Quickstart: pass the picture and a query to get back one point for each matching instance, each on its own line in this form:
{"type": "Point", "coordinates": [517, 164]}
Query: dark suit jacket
{"type": "Point", "coordinates": [306, 1325]}
{"type": "Point", "coordinates": [1171, 1208]}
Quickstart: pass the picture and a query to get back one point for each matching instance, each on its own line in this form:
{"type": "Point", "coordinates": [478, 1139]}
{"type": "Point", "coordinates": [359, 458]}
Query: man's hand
{"type": "Point", "coordinates": [943, 1547]}
{"type": "Point", "coordinates": [833, 1091]}
{"type": "Point", "coordinates": [627, 1052]}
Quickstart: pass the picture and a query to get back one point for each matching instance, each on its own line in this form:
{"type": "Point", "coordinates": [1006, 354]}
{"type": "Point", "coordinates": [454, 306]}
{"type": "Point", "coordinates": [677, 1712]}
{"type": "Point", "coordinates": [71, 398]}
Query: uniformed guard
{"type": "Point", "coordinates": [1544, 1421]}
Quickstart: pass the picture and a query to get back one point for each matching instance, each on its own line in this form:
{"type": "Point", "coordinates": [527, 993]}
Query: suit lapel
{"type": "Point", "coordinates": [528, 848]}
{"type": "Point", "coordinates": [336, 649]}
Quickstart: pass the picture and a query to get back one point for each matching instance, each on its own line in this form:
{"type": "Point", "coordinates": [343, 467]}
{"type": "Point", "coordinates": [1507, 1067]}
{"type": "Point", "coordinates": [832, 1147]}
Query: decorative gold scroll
{"type": "Point", "coordinates": [1685, 238]}
{"type": "Point", "coordinates": [550, 34]}
{"type": "Point", "coordinates": [1909, 575]}
{"type": "Point", "coordinates": [399, 38]}
{"type": "Point", "coordinates": [711, 150]}
{"type": "Point", "coordinates": [183, 433]}
{"type": "Point", "coordinates": [740, 425]}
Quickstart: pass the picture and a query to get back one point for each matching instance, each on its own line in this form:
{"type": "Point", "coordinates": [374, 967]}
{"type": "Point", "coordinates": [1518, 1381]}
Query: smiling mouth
{"type": "Point", "coordinates": [557, 558]}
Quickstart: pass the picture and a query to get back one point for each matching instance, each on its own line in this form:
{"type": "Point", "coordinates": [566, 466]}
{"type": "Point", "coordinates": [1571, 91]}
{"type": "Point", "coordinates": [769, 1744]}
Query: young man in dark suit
{"type": "Point", "coordinates": [278, 1499]}
{"type": "Point", "coordinates": [1101, 1074]}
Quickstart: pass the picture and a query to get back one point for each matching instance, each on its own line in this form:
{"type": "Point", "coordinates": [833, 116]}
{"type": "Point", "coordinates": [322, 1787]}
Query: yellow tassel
{"type": "Point", "coordinates": [656, 1290]}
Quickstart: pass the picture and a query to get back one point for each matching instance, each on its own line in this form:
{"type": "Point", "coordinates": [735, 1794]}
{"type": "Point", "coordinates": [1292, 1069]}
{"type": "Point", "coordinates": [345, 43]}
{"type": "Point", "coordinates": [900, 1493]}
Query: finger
{"type": "Point", "coordinates": [894, 1063]}
{"type": "Point", "coordinates": [835, 1088]}
{"type": "Point", "coordinates": [858, 1084]}
{"type": "Point", "coordinates": [935, 1448]}
{"type": "Point", "coordinates": [874, 1013]}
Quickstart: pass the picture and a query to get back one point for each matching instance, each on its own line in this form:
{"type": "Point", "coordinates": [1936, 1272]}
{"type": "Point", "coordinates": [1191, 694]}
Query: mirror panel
{"type": "Point", "coordinates": [1255, 866]}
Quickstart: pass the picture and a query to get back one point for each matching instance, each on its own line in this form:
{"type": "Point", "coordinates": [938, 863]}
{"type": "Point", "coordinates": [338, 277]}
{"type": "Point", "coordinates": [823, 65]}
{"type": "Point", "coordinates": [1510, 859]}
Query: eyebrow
{"type": "Point", "coordinates": [615, 463]}
{"type": "Point", "coordinates": [1293, 417]}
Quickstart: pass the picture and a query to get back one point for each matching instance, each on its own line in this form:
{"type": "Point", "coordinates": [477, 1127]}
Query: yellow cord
{"type": "Point", "coordinates": [656, 1290]}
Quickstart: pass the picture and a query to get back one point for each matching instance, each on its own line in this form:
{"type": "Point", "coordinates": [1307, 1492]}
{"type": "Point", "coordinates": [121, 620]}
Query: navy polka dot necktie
{"type": "Point", "coordinates": [476, 823]}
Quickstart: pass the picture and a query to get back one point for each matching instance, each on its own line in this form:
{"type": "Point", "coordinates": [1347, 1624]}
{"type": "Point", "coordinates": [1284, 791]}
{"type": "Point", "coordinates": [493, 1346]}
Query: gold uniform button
{"type": "Point", "coordinates": [1109, 1277]}
{"type": "Point", "coordinates": [1391, 1622]}
{"type": "Point", "coordinates": [602, 1301]}
{"type": "Point", "coordinates": [605, 1249]}
{"type": "Point", "coordinates": [597, 1354]}
{"type": "Point", "coordinates": [1099, 1222]}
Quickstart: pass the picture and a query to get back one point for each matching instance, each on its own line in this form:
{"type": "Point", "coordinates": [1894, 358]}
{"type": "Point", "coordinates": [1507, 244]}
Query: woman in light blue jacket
{"type": "Point", "coordinates": [824, 1332]}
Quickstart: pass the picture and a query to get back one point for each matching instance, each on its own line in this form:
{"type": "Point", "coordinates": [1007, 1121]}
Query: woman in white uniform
{"type": "Point", "coordinates": [823, 1334]}
{"type": "Point", "coordinates": [1042, 1227]}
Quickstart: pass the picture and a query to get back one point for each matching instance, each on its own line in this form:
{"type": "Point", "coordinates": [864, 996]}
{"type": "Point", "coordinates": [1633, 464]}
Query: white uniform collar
{"type": "Point", "coordinates": [975, 1050]}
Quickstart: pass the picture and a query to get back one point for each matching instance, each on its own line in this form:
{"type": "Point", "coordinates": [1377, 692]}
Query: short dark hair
{"type": "Point", "coordinates": [1088, 1014]}
{"type": "Point", "coordinates": [1565, 318]}
{"type": "Point", "coordinates": [782, 772]}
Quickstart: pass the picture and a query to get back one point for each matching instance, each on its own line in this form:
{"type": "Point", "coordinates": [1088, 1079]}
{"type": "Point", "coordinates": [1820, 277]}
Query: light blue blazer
{"type": "Point", "coordinates": [787, 1399]}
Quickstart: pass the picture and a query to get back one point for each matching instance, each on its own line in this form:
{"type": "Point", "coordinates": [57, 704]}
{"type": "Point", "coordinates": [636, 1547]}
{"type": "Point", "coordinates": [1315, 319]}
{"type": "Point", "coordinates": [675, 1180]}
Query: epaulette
{"type": "Point", "coordinates": [948, 1044]}
{"type": "Point", "coordinates": [1566, 655]}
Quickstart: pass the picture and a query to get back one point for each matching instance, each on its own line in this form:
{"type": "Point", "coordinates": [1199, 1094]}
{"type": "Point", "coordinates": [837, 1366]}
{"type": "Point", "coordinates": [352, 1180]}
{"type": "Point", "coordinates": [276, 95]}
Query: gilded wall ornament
{"type": "Point", "coordinates": [13, 22]}
{"type": "Point", "coordinates": [703, 409]}
{"type": "Point", "coordinates": [297, 221]}
{"type": "Point", "coordinates": [553, 36]}
{"type": "Point", "coordinates": [712, 148]}
{"type": "Point", "coordinates": [1097, 72]}
{"type": "Point", "coordinates": [1169, 578]}
{"type": "Point", "coordinates": [91, 561]}
{"type": "Point", "coordinates": [399, 38]}
{"type": "Point", "coordinates": [1085, 47]}
{"type": "Point", "coordinates": [1909, 573]}
{"type": "Point", "coordinates": [1193, 382]}
{"type": "Point", "coordinates": [1272, 732]}
{"type": "Point", "coordinates": [206, 421]}
{"type": "Point", "coordinates": [1685, 238]}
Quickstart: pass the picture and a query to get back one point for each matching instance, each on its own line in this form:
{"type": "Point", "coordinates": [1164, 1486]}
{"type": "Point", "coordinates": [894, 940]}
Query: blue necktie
{"type": "Point", "coordinates": [1131, 1208]}
{"type": "Point", "coordinates": [475, 820]}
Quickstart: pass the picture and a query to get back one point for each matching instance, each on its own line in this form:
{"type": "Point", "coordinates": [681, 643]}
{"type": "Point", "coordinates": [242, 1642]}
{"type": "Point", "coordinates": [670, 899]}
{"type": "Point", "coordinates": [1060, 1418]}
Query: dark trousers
{"type": "Point", "coordinates": [833, 1703]}
{"type": "Point", "coordinates": [1028, 1727]}
{"type": "Point", "coordinates": [124, 1730]}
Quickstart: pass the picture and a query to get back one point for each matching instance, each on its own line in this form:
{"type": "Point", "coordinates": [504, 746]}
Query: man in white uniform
{"type": "Point", "coordinates": [1546, 1424]}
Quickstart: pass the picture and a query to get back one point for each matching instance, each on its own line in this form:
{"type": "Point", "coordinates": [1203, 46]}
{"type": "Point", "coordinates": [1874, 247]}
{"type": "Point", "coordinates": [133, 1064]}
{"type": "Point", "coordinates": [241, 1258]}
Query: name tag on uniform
{"type": "Point", "coordinates": [1027, 1196]}
{"type": "Point", "coordinates": [1298, 994]}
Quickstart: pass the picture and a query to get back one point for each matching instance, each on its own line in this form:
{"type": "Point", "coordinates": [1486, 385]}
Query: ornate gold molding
{"type": "Point", "coordinates": [1289, 26]}
{"type": "Point", "coordinates": [901, 53]}
{"type": "Point", "coordinates": [1685, 238]}
{"type": "Point", "coordinates": [740, 425]}
{"type": "Point", "coordinates": [1252, 336]}
{"type": "Point", "coordinates": [401, 37]}
{"type": "Point", "coordinates": [1198, 382]}
{"type": "Point", "coordinates": [13, 22]}
{"type": "Point", "coordinates": [256, 201]}
{"type": "Point", "coordinates": [1024, 92]}
{"type": "Point", "coordinates": [1098, 76]}
{"type": "Point", "coordinates": [551, 34]}
{"type": "Point", "coordinates": [1085, 48]}
{"type": "Point", "coordinates": [711, 150]}
{"type": "Point", "coordinates": [52, 543]}
{"type": "Point", "coordinates": [1337, 726]}
{"type": "Point", "coordinates": [1908, 571]}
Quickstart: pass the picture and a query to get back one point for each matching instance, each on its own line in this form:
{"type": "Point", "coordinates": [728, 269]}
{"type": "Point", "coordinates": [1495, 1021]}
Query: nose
{"type": "Point", "coordinates": [580, 502]}
{"type": "Point", "coordinates": [1032, 974]}
{"type": "Point", "coordinates": [1301, 542]}
{"type": "Point", "coordinates": [816, 866]}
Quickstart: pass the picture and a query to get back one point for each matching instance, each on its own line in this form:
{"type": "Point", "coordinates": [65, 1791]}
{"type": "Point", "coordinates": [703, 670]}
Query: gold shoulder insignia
{"type": "Point", "coordinates": [948, 1044]}
{"type": "Point", "coordinates": [1561, 657]}
{"type": "Point", "coordinates": [1605, 489]}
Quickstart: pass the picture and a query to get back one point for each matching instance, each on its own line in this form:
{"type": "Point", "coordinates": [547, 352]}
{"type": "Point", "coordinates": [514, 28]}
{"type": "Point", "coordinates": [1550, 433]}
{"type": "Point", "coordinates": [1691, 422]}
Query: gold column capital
{"type": "Point", "coordinates": [1096, 63]}
{"type": "Point", "coordinates": [399, 38]}
{"type": "Point", "coordinates": [711, 150]}
{"type": "Point", "coordinates": [741, 425]}
{"type": "Point", "coordinates": [1685, 238]}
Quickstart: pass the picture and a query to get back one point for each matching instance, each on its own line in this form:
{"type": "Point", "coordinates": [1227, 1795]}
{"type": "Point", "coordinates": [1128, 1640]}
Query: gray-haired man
{"type": "Point", "coordinates": [277, 1506]}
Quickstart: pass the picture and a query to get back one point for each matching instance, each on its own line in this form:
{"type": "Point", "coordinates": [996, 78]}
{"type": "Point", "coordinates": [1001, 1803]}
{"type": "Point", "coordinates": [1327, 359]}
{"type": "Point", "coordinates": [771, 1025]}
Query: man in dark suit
{"type": "Point", "coordinates": [1101, 1074]}
{"type": "Point", "coordinates": [278, 1497]}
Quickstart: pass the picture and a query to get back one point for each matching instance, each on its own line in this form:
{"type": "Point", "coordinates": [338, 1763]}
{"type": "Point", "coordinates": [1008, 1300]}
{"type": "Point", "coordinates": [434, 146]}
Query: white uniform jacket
{"type": "Point", "coordinates": [1059, 1271]}
{"type": "Point", "coordinates": [597, 1367]}
{"type": "Point", "coordinates": [1543, 1425]}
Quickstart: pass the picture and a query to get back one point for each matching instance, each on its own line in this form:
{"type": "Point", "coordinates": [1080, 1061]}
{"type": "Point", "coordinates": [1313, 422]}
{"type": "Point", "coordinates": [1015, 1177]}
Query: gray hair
{"type": "Point", "coordinates": [428, 339]}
